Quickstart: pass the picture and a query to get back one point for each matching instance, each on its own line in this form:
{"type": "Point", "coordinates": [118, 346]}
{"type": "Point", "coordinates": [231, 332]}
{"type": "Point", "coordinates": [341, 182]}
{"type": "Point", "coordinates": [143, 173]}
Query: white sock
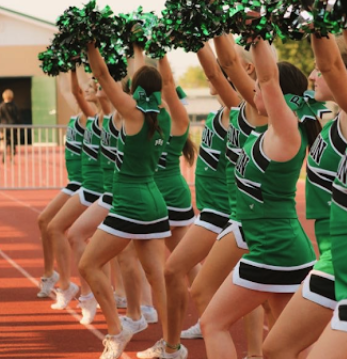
{"type": "Point", "coordinates": [83, 298]}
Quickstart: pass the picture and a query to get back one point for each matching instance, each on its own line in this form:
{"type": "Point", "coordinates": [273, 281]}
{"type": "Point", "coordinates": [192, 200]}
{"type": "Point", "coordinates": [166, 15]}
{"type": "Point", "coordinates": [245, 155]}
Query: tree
{"type": "Point", "coordinates": [194, 77]}
{"type": "Point", "coordinates": [299, 53]}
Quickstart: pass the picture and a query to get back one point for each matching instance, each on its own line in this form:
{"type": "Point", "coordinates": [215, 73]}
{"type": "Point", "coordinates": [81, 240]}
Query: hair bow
{"type": "Point", "coordinates": [147, 103]}
{"type": "Point", "coordinates": [306, 107]}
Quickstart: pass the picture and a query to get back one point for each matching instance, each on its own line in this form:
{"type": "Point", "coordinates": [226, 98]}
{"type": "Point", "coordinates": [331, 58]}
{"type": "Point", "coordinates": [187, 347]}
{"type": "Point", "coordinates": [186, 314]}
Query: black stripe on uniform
{"type": "Point", "coordinates": [73, 187]}
{"type": "Point", "coordinates": [336, 140]}
{"type": "Point", "coordinates": [108, 154]}
{"type": "Point", "coordinates": [90, 197]}
{"type": "Point", "coordinates": [261, 161]}
{"type": "Point", "coordinates": [326, 182]}
{"type": "Point", "coordinates": [181, 216]}
{"type": "Point", "coordinates": [119, 161]}
{"type": "Point", "coordinates": [251, 191]}
{"type": "Point", "coordinates": [271, 276]}
{"type": "Point", "coordinates": [342, 308]}
{"type": "Point", "coordinates": [162, 160]}
{"type": "Point", "coordinates": [340, 198]}
{"type": "Point", "coordinates": [243, 125]}
{"type": "Point", "coordinates": [323, 286]}
{"type": "Point", "coordinates": [90, 152]}
{"type": "Point", "coordinates": [231, 155]}
{"type": "Point", "coordinates": [96, 128]}
{"type": "Point", "coordinates": [73, 148]}
{"type": "Point", "coordinates": [213, 218]}
{"type": "Point", "coordinates": [113, 129]}
{"type": "Point", "coordinates": [217, 124]}
{"type": "Point", "coordinates": [123, 225]}
{"type": "Point", "coordinates": [107, 198]}
{"type": "Point", "coordinates": [78, 127]}
{"type": "Point", "coordinates": [208, 158]}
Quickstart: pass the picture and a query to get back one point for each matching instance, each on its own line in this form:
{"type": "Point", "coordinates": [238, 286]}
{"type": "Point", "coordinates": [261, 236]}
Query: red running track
{"type": "Point", "coordinates": [29, 328]}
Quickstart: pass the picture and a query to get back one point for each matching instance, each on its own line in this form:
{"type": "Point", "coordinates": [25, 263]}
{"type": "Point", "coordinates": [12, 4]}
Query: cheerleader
{"type": "Point", "coordinates": [332, 343]}
{"type": "Point", "coordinates": [73, 150]}
{"type": "Point", "coordinates": [310, 309]}
{"type": "Point", "coordinates": [138, 210]}
{"type": "Point", "coordinates": [280, 254]}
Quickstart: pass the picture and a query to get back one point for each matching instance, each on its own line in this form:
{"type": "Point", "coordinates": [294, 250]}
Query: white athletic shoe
{"type": "Point", "coordinates": [115, 344]}
{"type": "Point", "coordinates": [88, 310]}
{"type": "Point", "coordinates": [47, 284]}
{"type": "Point", "coordinates": [156, 351]}
{"type": "Point", "coordinates": [64, 297]}
{"type": "Point", "coordinates": [193, 332]}
{"type": "Point", "coordinates": [135, 326]}
{"type": "Point", "coordinates": [150, 314]}
{"type": "Point", "coordinates": [182, 353]}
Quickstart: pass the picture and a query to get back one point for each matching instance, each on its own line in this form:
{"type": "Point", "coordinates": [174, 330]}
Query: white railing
{"type": "Point", "coordinates": [34, 157]}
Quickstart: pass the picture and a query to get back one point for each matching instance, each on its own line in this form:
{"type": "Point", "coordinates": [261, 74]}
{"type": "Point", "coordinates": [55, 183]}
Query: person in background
{"type": "Point", "coordinates": [9, 115]}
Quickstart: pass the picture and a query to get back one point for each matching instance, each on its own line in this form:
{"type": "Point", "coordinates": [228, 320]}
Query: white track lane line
{"type": "Point", "coordinates": [27, 275]}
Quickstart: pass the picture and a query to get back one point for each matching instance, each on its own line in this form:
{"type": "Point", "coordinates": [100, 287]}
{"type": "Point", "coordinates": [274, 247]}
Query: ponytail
{"type": "Point", "coordinates": [189, 151]}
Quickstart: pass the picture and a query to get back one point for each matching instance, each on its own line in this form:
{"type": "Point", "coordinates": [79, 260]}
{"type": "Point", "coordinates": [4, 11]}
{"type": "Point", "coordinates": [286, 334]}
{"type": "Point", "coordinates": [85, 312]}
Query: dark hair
{"type": "Point", "coordinates": [189, 151]}
{"type": "Point", "coordinates": [126, 84]}
{"type": "Point", "coordinates": [150, 80]}
{"type": "Point", "coordinates": [293, 81]}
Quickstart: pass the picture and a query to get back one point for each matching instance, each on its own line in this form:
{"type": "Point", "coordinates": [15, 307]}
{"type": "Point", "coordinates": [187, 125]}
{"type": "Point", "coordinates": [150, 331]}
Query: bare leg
{"type": "Point", "coordinates": [254, 326]}
{"type": "Point", "coordinates": [299, 326]}
{"type": "Point", "coordinates": [116, 278]}
{"type": "Point", "coordinates": [130, 268]}
{"type": "Point", "coordinates": [221, 260]}
{"type": "Point", "coordinates": [56, 231]}
{"type": "Point", "coordinates": [152, 257]}
{"type": "Point", "coordinates": [43, 220]}
{"type": "Point", "coordinates": [332, 344]}
{"type": "Point", "coordinates": [191, 250]}
{"type": "Point", "coordinates": [172, 242]}
{"type": "Point", "coordinates": [80, 232]}
{"type": "Point", "coordinates": [101, 249]}
{"type": "Point", "coordinates": [270, 319]}
{"type": "Point", "coordinates": [229, 304]}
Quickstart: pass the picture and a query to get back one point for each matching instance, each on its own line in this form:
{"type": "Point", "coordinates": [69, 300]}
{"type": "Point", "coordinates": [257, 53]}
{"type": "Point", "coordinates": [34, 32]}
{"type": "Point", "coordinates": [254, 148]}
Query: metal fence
{"type": "Point", "coordinates": [33, 156]}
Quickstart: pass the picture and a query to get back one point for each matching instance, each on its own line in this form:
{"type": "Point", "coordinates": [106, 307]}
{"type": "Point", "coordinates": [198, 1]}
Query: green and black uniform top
{"type": "Point", "coordinates": [169, 161]}
{"type": "Point", "coordinates": [137, 155]}
{"type": "Point", "coordinates": [211, 161]}
{"type": "Point", "coordinates": [238, 132]}
{"type": "Point", "coordinates": [73, 149]}
{"type": "Point", "coordinates": [322, 163]}
{"type": "Point", "coordinates": [339, 200]}
{"type": "Point", "coordinates": [108, 145]}
{"type": "Point", "coordinates": [91, 171]}
{"type": "Point", "coordinates": [267, 188]}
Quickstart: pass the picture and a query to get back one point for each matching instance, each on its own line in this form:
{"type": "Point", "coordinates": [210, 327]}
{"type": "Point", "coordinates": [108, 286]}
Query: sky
{"type": "Point", "coordinates": [50, 10]}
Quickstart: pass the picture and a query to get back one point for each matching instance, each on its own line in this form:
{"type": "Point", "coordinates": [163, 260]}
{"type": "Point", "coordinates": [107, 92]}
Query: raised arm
{"type": "Point", "coordinates": [284, 124]}
{"type": "Point", "coordinates": [331, 66]}
{"type": "Point", "coordinates": [123, 103]}
{"type": "Point", "coordinates": [231, 64]}
{"type": "Point", "coordinates": [86, 107]}
{"type": "Point", "coordinates": [64, 87]}
{"type": "Point", "coordinates": [215, 75]}
{"type": "Point", "coordinates": [178, 112]}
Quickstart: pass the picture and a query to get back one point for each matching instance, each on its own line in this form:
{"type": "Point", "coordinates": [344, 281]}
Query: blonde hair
{"type": "Point", "coordinates": [246, 55]}
{"type": "Point", "coordinates": [7, 95]}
